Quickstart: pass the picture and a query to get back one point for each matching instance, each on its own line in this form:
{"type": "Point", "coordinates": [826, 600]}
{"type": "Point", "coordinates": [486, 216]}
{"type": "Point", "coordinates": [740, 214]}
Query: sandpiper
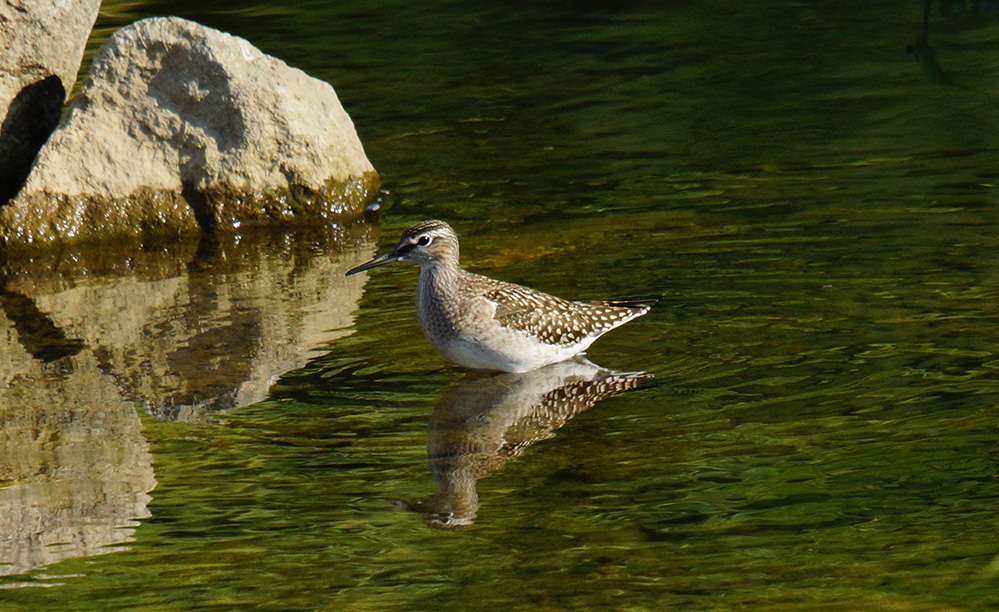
{"type": "Point", "coordinates": [486, 324]}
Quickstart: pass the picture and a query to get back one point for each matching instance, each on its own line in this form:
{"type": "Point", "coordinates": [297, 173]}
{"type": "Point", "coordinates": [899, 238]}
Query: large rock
{"type": "Point", "coordinates": [43, 44]}
{"type": "Point", "coordinates": [179, 126]}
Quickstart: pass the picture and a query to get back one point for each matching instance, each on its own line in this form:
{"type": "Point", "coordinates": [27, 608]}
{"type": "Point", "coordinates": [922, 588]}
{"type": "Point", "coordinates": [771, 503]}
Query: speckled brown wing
{"type": "Point", "coordinates": [555, 320]}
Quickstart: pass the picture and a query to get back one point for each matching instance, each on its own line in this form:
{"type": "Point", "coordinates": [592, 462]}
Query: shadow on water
{"type": "Point", "coordinates": [487, 419]}
{"type": "Point", "coordinates": [952, 10]}
{"type": "Point", "coordinates": [86, 337]}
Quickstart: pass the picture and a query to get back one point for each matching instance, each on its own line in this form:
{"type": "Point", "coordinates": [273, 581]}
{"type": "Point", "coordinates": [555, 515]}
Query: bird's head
{"type": "Point", "coordinates": [426, 243]}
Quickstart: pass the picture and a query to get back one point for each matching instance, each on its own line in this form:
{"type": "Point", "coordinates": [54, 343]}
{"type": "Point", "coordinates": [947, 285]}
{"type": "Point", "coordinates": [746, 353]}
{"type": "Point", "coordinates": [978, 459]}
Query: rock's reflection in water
{"type": "Point", "coordinates": [489, 419]}
{"type": "Point", "coordinates": [86, 338]}
{"type": "Point", "coordinates": [184, 332]}
{"type": "Point", "coordinates": [75, 470]}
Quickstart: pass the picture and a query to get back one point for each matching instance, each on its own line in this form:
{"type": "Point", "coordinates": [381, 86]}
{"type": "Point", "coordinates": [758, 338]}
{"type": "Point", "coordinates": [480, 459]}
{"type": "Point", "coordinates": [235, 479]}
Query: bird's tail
{"type": "Point", "coordinates": [642, 304]}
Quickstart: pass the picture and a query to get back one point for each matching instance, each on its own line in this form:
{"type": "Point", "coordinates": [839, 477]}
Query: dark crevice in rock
{"type": "Point", "coordinates": [200, 205]}
{"type": "Point", "coordinates": [31, 117]}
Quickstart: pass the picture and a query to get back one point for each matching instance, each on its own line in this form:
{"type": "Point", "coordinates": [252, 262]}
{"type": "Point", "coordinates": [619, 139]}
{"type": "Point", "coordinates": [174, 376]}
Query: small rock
{"type": "Point", "coordinates": [180, 127]}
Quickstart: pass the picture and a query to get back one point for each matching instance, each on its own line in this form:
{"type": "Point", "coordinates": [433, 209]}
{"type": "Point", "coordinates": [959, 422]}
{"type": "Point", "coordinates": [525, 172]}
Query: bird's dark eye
{"type": "Point", "coordinates": [423, 241]}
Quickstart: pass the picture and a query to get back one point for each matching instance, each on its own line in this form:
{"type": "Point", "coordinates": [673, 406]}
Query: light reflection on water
{"type": "Point", "coordinates": [816, 213]}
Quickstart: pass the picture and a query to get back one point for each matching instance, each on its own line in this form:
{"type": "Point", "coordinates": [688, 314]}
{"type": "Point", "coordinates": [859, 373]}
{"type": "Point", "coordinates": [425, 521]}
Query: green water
{"type": "Point", "coordinates": [816, 211]}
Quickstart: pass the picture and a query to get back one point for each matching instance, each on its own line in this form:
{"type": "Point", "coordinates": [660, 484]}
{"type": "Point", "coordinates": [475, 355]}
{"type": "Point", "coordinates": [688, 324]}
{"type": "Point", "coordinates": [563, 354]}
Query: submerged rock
{"type": "Point", "coordinates": [42, 49]}
{"type": "Point", "coordinates": [180, 127]}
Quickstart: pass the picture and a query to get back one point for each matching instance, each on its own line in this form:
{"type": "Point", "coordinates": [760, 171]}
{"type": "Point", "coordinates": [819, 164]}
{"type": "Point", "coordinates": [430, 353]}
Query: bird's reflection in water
{"type": "Point", "coordinates": [488, 419]}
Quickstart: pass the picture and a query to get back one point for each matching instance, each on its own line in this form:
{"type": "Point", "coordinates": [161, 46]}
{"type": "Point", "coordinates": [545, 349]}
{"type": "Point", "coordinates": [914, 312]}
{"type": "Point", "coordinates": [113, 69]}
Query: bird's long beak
{"type": "Point", "coordinates": [381, 260]}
